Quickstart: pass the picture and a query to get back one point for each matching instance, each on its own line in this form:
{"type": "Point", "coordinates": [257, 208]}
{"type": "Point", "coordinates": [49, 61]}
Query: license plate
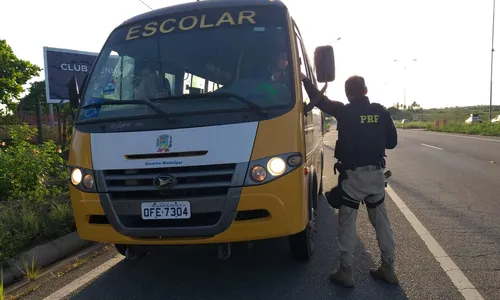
{"type": "Point", "coordinates": [166, 210]}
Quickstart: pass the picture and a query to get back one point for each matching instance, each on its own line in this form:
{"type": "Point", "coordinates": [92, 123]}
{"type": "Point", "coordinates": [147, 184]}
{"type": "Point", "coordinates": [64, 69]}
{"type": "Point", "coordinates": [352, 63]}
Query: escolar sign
{"type": "Point", "coordinates": [190, 22]}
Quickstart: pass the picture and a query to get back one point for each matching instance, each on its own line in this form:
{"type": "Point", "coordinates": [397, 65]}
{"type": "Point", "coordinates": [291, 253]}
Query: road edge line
{"type": "Point", "coordinates": [81, 281]}
{"type": "Point", "coordinates": [461, 282]}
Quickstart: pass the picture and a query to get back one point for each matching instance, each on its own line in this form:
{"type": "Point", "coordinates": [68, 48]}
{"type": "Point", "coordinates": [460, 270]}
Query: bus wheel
{"type": "Point", "coordinates": [302, 243]}
{"type": "Point", "coordinates": [321, 177]}
{"type": "Point", "coordinates": [130, 252]}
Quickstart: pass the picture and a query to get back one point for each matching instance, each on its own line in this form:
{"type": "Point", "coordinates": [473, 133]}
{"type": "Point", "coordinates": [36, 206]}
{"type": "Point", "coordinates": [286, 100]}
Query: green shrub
{"type": "Point", "coordinates": [411, 125]}
{"type": "Point", "coordinates": [34, 205]}
{"type": "Point", "coordinates": [10, 120]}
{"type": "Point", "coordinates": [30, 172]}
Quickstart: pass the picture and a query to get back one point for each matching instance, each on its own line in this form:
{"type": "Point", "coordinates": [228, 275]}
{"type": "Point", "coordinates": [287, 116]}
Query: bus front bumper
{"type": "Point", "coordinates": [272, 210]}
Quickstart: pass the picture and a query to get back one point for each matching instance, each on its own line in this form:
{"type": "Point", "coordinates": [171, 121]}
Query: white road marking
{"type": "Point", "coordinates": [81, 281]}
{"type": "Point", "coordinates": [461, 136]}
{"type": "Point", "coordinates": [433, 147]}
{"type": "Point", "coordinates": [458, 278]}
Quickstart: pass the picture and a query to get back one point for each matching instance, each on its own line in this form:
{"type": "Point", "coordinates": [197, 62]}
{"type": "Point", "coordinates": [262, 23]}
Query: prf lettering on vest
{"type": "Point", "coordinates": [188, 23]}
{"type": "Point", "coordinates": [369, 119]}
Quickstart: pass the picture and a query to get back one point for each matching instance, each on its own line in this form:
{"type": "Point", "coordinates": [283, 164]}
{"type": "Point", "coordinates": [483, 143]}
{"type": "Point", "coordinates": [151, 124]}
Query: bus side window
{"type": "Point", "coordinates": [309, 66]}
{"type": "Point", "coordinates": [303, 67]}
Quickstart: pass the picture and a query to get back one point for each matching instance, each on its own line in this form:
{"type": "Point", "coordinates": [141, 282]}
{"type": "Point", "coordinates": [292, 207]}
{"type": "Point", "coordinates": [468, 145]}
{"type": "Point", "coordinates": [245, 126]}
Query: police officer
{"type": "Point", "coordinates": [365, 130]}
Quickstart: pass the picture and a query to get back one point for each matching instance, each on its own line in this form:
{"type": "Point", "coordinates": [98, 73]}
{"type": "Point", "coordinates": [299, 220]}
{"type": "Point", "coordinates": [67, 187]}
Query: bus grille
{"type": "Point", "coordinates": [195, 181]}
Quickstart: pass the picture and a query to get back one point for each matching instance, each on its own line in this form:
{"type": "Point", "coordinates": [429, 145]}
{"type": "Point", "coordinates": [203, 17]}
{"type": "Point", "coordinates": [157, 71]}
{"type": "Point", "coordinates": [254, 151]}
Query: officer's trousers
{"type": "Point", "coordinates": [368, 184]}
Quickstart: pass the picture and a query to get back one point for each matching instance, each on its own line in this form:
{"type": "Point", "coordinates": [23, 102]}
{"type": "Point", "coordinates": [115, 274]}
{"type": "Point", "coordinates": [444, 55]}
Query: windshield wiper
{"type": "Point", "coordinates": [241, 99]}
{"type": "Point", "coordinates": [124, 102]}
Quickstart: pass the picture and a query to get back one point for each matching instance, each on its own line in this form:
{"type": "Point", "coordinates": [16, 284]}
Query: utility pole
{"type": "Point", "coordinates": [491, 64]}
{"type": "Point", "coordinates": [39, 119]}
{"type": "Point", "coordinates": [404, 88]}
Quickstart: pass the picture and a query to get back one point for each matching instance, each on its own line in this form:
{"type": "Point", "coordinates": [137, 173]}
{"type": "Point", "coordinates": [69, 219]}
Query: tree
{"type": "Point", "coordinates": [28, 102]}
{"type": "Point", "coordinates": [14, 73]}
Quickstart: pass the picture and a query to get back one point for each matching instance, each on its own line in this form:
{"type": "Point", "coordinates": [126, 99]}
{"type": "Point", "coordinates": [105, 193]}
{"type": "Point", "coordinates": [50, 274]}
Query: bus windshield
{"type": "Point", "coordinates": [239, 51]}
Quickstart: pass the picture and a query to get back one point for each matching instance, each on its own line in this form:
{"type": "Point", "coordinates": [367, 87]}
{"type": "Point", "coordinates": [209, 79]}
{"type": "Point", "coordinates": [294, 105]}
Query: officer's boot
{"type": "Point", "coordinates": [343, 276]}
{"type": "Point", "coordinates": [385, 273]}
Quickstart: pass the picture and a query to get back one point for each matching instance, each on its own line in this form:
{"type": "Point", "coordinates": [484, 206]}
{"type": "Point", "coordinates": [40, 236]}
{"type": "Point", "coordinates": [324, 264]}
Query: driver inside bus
{"type": "Point", "coordinates": [278, 67]}
{"type": "Point", "coordinates": [151, 86]}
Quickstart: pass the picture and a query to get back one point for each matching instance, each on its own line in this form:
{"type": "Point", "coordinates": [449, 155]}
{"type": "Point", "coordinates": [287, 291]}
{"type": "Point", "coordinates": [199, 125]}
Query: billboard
{"type": "Point", "coordinates": [62, 64]}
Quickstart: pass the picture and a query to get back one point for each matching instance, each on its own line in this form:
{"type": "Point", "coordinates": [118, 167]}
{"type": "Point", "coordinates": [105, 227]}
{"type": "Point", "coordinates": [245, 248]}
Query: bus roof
{"type": "Point", "coordinates": [200, 5]}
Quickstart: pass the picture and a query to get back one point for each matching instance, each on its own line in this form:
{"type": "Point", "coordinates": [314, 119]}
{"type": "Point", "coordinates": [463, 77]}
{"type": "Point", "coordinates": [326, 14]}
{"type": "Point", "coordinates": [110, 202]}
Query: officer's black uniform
{"type": "Point", "coordinates": [365, 130]}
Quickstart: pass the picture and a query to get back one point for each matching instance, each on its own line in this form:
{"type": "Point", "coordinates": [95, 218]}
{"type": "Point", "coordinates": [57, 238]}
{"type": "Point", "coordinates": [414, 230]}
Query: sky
{"type": "Point", "coordinates": [450, 40]}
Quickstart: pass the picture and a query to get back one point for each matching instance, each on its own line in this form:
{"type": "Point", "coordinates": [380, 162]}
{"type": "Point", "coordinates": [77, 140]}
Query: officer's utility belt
{"type": "Point", "coordinates": [339, 166]}
{"type": "Point", "coordinates": [337, 197]}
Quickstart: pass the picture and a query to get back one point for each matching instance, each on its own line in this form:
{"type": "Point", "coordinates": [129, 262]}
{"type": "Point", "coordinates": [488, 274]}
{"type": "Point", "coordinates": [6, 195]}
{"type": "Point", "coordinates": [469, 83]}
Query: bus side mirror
{"type": "Point", "coordinates": [74, 95]}
{"type": "Point", "coordinates": [324, 61]}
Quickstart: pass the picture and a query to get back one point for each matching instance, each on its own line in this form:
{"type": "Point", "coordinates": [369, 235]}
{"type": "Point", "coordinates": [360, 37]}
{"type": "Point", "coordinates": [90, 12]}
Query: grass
{"type": "Point", "coordinates": [25, 226]}
{"type": "Point", "coordinates": [24, 293]}
{"type": "Point", "coordinates": [2, 292]}
{"type": "Point", "coordinates": [31, 271]}
{"type": "Point", "coordinates": [450, 114]}
{"type": "Point", "coordinates": [455, 119]}
{"type": "Point", "coordinates": [485, 129]}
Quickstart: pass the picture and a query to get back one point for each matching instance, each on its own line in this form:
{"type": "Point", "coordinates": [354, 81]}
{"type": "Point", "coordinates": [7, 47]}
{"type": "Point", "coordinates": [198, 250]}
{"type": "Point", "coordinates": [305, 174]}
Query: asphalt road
{"type": "Point", "coordinates": [451, 191]}
{"type": "Point", "coordinates": [452, 184]}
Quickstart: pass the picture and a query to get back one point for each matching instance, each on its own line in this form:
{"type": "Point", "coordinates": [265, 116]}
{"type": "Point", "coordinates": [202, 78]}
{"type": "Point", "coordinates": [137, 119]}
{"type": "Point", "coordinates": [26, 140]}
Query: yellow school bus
{"type": "Point", "coordinates": [199, 135]}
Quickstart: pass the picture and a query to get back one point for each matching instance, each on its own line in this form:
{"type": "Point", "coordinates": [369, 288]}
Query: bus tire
{"type": "Point", "coordinates": [131, 252]}
{"type": "Point", "coordinates": [314, 192]}
{"type": "Point", "coordinates": [320, 191]}
{"type": "Point", "coordinates": [302, 243]}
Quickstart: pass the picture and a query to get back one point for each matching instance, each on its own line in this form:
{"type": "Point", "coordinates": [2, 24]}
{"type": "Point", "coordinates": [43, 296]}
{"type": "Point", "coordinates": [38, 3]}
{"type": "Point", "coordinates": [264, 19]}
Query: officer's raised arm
{"type": "Point", "coordinates": [333, 108]}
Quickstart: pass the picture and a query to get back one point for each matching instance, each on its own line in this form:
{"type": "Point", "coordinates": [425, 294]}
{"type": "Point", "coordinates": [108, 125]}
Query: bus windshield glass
{"type": "Point", "coordinates": [239, 51]}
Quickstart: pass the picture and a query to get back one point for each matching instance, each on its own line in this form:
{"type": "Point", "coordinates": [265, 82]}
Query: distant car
{"type": "Point", "coordinates": [474, 118]}
{"type": "Point", "coordinates": [405, 121]}
{"type": "Point", "coordinates": [495, 119]}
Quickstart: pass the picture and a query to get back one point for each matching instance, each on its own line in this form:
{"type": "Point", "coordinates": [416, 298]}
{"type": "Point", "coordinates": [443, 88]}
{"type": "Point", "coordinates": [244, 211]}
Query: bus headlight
{"type": "Point", "coordinates": [258, 173]}
{"type": "Point", "coordinates": [294, 160]}
{"type": "Point", "coordinates": [83, 179]}
{"type": "Point", "coordinates": [76, 176]}
{"type": "Point", "coordinates": [267, 169]}
{"type": "Point", "coordinates": [88, 181]}
{"type": "Point", "coordinates": [276, 166]}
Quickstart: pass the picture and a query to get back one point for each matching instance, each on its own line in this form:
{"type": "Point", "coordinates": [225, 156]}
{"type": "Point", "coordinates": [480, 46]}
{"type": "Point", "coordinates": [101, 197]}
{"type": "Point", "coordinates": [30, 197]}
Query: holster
{"type": "Point", "coordinates": [334, 196]}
